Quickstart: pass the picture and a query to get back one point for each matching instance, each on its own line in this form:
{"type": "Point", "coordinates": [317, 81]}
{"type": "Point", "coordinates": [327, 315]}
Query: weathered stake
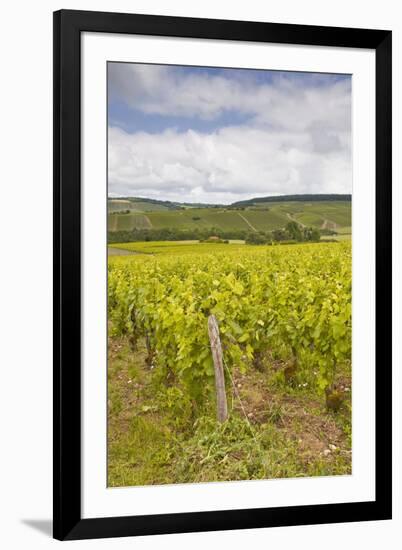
{"type": "Point", "coordinates": [216, 348]}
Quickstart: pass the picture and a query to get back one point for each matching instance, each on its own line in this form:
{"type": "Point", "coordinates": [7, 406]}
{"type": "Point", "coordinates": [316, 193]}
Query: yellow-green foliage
{"type": "Point", "coordinates": [177, 247]}
{"type": "Point", "coordinates": [293, 301]}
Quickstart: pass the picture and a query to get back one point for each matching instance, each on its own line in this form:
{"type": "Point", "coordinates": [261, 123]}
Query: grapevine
{"type": "Point", "coordinates": [291, 302]}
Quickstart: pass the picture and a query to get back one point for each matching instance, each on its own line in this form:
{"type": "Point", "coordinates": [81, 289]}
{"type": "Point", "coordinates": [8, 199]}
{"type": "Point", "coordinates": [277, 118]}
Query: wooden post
{"type": "Point", "coordinates": [216, 348]}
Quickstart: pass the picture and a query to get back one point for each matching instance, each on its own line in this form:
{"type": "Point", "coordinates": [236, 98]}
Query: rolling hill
{"type": "Point", "coordinates": [261, 214]}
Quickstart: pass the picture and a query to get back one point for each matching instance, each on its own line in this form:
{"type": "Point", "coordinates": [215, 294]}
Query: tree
{"type": "Point", "coordinates": [315, 235]}
{"type": "Point", "coordinates": [310, 234]}
{"type": "Point", "coordinates": [280, 235]}
{"type": "Point", "coordinates": [256, 238]}
{"type": "Point", "coordinates": [294, 231]}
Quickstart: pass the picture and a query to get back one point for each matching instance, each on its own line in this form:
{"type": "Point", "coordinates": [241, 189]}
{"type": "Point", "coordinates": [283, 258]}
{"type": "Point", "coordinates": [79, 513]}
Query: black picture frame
{"type": "Point", "coordinates": [68, 26]}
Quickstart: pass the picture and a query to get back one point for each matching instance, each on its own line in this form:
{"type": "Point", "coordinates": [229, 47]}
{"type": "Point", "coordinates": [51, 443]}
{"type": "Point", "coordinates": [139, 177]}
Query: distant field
{"type": "Point", "coordinates": [345, 230]}
{"type": "Point", "coordinates": [334, 215]}
{"type": "Point", "coordinates": [149, 207]}
{"type": "Point", "coordinates": [266, 220]}
{"type": "Point", "coordinates": [198, 217]}
{"type": "Point", "coordinates": [127, 222]}
{"type": "Point", "coordinates": [167, 248]}
{"type": "Point", "coordinates": [343, 237]}
{"type": "Point", "coordinates": [119, 252]}
{"type": "Point", "coordinates": [118, 205]}
{"type": "Point", "coordinates": [182, 247]}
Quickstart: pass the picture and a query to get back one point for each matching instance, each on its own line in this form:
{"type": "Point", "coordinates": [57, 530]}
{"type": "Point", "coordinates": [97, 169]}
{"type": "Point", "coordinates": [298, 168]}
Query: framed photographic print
{"type": "Point", "coordinates": [222, 353]}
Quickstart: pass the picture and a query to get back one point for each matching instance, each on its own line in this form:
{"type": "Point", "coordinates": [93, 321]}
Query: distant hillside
{"type": "Point", "coordinates": [294, 198]}
{"type": "Point", "coordinates": [140, 204]}
{"type": "Point", "coordinates": [325, 212]}
{"type": "Point", "coordinates": [143, 204]}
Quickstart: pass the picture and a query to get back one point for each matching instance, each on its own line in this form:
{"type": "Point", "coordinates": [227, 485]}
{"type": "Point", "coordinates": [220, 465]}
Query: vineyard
{"type": "Point", "coordinates": [284, 317]}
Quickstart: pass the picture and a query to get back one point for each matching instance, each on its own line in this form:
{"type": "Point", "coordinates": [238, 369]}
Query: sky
{"type": "Point", "coordinates": [213, 135]}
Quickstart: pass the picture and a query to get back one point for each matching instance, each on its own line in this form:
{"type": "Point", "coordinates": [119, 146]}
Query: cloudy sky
{"type": "Point", "coordinates": [219, 135]}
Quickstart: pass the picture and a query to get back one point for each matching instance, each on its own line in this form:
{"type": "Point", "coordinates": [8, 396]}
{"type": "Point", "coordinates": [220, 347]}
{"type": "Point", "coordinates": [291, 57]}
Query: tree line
{"type": "Point", "coordinates": [292, 232]}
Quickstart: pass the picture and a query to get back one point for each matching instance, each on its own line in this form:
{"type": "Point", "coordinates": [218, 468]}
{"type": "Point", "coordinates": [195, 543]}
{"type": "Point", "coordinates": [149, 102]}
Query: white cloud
{"type": "Point", "coordinates": [287, 102]}
{"type": "Point", "coordinates": [224, 166]}
{"type": "Point", "coordinates": [296, 139]}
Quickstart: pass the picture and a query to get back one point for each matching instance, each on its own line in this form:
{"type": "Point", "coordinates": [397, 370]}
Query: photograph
{"type": "Point", "coordinates": [229, 244]}
{"type": "Point", "coordinates": [187, 363]}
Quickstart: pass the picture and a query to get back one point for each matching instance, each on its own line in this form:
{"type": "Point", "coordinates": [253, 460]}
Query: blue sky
{"type": "Point", "coordinates": [219, 135]}
{"type": "Point", "coordinates": [133, 120]}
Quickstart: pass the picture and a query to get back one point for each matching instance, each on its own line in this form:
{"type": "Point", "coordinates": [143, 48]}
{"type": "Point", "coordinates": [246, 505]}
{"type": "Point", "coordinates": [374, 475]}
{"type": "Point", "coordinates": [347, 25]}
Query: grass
{"type": "Point", "coordinates": [283, 432]}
